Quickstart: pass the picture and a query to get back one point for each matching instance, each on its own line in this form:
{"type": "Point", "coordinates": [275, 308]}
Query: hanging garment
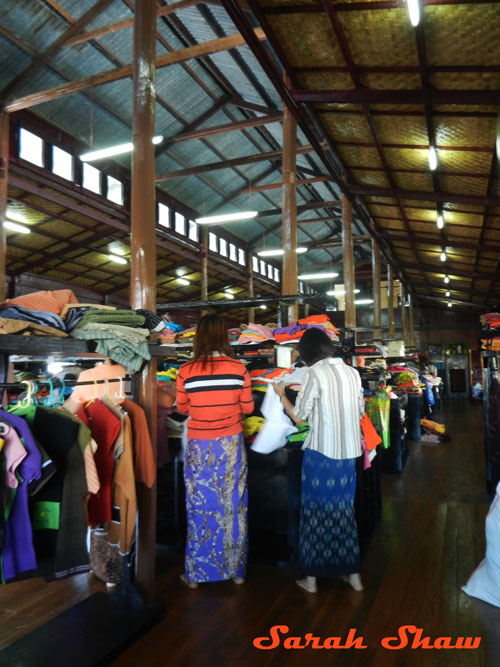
{"type": "Point", "coordinates": [105, 427]}
{"type": "Point", "coordinates": [144, 462]}
{"type": "Point", "coordinates": [19, 553]}
{"type": "Point", "coordinates": [378, 409]}
{"type": "Point", "coordinates": [372, 438]}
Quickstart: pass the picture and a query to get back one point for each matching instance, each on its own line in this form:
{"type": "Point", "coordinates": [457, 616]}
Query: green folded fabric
{"type": "Point", "coordinates": [128, 318]}
{"type": "Point", "coordinates": [125, 345]}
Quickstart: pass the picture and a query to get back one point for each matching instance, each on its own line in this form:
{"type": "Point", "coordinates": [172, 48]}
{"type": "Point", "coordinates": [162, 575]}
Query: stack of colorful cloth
{"type": "Point", "coordinates": [186, 336]}
{"type": "Point", "coordinates": [254, 334]}
{"type": "Point", "coordinates": [233, 335]}
{"type": "Point", "coordinates": [294, 332]}
{"type": "Point", "coordinates": [36, 314]}
{"type": "Point", "coordinates": [260, 377]}
{"type": "Point", "coordinates": [167, 376]}
{"type": "Point", "coordinates": [408, 383]}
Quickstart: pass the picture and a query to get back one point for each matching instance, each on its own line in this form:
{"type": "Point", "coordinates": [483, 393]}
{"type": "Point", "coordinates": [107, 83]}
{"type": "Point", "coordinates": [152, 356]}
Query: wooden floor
{"type": "Point", "coordinates": [431, 538]}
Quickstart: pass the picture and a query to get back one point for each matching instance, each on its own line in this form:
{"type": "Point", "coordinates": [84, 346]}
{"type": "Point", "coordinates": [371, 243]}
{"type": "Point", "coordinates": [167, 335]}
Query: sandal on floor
{"type": "Point", "coordinates": [302, 584]}
{"type": "Point", "coordinates": [189, 584]}
{"type": "Point", "coordinates": [239, 580]}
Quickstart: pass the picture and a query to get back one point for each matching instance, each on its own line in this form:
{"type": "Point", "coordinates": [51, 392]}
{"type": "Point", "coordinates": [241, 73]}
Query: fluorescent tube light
{"type": "Point", "coordinates": [13, 214]}
{"type": "Point", "coordinates": [118, 250]}
{"type": "Point", "coordinates": [448, 293]}
{"type": "Point", "coordinates": [228, 295]}
{"type": "Point", "coordinates": [277, 252]}
{"type": "Point", "coordinates": [442, 256]}
{"type": "Point", "coordinates": [440, 222]}
{"type": "Point", "coordinates": [228, 217]}
{"type": "Point", "coordinates": [117, 259]}
{"type": "Point", "coordinates": [183, 281]}
{"type": "Point", "coordinates": [341, 292]}
{"type": "Point", "coordinates": [450, 304]}
{"type": "Point", "coordinates": [414, 11]}
{"type": "Point", "coordinates": [263, 307]}
{"type": "Point", "coordinates": [433, 159]}
{"type": "Point", "coordinates": [16, 227]}
{"type": "Point", "coordinates": [119, 149]}
{"type": "Point", "coordinates": [318, 276]}
{"type": "Point", "coordinates": [447, 279]}
{"type": "Point", "coordinates": [363, 302]}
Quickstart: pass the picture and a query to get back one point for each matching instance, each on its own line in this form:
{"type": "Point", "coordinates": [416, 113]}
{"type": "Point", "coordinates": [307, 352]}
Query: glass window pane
{"type": "Point", "coordinates": [30, 147]}
{"type": "Point", "coordinates": [212, 242]}
{"type": "Point", "coordinates": [241, 257]}
{"type": "Point", "coordinates": [269, 271]}
{"type": "Point", "coordinates": [91, 178]}
{"type": "Point", "coordinates": [193, 231]}
{"type": "Point", "coordinates": [301, 287]}
{"type": "Point", "coordinates": [115, 190]}
{"type": "Point", "coordinates": [255, 263]}
{"type": "Point", "coordinates": [232, 252]}
{"type": "Point", "coordinates": [263, 267]}
{"type": "Point", "coordinates": [163, 215]}
{"type": "Point", "coordinates": [276, 275]}
{"type": "Point", "coordinates": [180, 224]}
{"type": "Point", "coordinates": [62, 163]}
{"type": "Point", "coordinates": [223, 247]}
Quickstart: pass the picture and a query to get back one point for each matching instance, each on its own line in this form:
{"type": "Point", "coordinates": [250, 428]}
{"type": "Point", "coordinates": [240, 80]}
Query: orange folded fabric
{"type": "Point", "coordinates": [371, 436]}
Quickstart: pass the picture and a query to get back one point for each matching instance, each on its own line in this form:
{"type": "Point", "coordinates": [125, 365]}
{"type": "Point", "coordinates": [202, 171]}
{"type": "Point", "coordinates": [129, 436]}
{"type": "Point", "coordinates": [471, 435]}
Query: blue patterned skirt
{"type": "Point", "coordinates": [328, 537]}
{"type": "Point", "coordinates": [215, 474]}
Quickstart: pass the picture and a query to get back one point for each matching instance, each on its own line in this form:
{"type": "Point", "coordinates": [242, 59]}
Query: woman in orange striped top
{"type": "Point", "coordinates": [214, 390]}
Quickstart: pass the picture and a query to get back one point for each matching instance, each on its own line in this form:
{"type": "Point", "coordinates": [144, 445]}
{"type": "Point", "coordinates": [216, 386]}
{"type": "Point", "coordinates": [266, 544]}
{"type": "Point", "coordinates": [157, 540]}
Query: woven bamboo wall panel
{"type": "Point", "coordinates": [466, 132]}
{"type": "Point", "coordinates": [375, 178]}
{"type": "Point", "coordinates": [407, 158]}
{"type": "Point", "coordinates": [380, 37]}
{"type": "Point", "coordinates": [424, 214]}
{"type": "Point", "coordinates": [308, 39]}
{"type": "Point", "coordinates": [414, 182]}
{"type": "Point", "coordinates": [465, 161]}
{"type": "Point", "coordinates": [321, 107]}
{"type": "Point", "coordinates": [17, 253]}
{"type": "Point", "coordinates": [393, 225]}
{"type": "Point", "coordinates": [464, 185]}
{"type": "Point", "coordinates": [325, 81]}
{"type": "Point", "coordinates": [402, 130]}
{"type": "Point", "coordinates": [466, 80]}
{"type": "Point", "coordinates": [464, 208]}
{"type": "Point", "coordinates": [491, 235]}
{"type": "Point", "coordinates": [463, 233]}
{"type": "Point", "coordinates": [401, 81]}
{"type": "Point", "coordinates": [358, 156]}
{"type": "Point", "coordinates": [466, 34]}
{"type": "Point", "coordinates": [347, 127]}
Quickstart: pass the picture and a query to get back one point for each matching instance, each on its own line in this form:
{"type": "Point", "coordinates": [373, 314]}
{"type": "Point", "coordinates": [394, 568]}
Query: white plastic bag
{"type": "Point", "coordinates": [484, 582]}
{"type": "Point", "coordinates": [277, 426]}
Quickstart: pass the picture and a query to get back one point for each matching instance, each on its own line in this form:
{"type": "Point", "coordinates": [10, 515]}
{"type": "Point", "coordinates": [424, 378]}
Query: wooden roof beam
{"type": "Point", "coordinates": [228, 164]}
{"type": "Point", "coordinates": [229, 127]}
{"type": "Point", "coordinates": [275, 186]}
{"type": "Point", "coordinates": [400, 96]}
{"type": "Point", "coordinates": [180, 56]}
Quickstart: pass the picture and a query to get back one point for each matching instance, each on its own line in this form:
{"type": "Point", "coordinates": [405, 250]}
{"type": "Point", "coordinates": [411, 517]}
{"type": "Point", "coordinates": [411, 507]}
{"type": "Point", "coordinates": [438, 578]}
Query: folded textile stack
{"type": "Point", "coordinates": [408, 383]}
{"type": "Point", "coordinates": [121, 317]}
{"type": "Point", "coordinates": [186, 336]}
{"type": "Point", "coordinates": [260, 377]}
{"type": "Point", "coordinates": [167, 337]}
{"type": "Point", "coordinates": [171, 326]}
{"type": "Point", "coordinates": [396, 348]}
{"type": "Point", "coordinates": [126, 345]}
{"type": "Point", "coordinates": [255, 333]}
{"type": "Point", "coordinates": [302, 433]}
{"type": "Point", "coordinates": [233, 335]}
{"type": "Point", "coordinates": [167, 376]}
{"type": "Point", "coordinates": [294, 332]}
{"type": "Point", "coordinates": [20, 320]}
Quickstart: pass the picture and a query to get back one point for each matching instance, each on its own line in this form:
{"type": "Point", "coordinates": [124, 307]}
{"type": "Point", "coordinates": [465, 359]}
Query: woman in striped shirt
{"type": "Point", "coordinates": [215, 390]}
{"type": "Point", "coordinates": [331, 399]}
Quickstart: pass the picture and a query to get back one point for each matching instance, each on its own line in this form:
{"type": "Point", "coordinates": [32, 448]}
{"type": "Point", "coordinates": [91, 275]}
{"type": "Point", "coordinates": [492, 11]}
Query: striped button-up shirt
{"type": "Point", "coordinates": [331, 399]}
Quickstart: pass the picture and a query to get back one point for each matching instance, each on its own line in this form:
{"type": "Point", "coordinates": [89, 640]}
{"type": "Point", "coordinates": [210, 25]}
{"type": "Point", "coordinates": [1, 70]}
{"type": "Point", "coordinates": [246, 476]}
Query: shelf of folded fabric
{"type": "Point", "coordinates": [45, 345]}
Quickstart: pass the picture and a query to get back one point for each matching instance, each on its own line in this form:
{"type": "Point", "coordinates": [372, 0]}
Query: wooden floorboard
{"type": "Point", "coordinates": [430, 540]}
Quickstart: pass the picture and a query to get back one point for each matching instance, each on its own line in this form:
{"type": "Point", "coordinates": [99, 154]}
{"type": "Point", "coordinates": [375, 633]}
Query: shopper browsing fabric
{"type": "Point", "coordinates": [331, 399]}
{"type": "Point", "coordinates": [214, 390]}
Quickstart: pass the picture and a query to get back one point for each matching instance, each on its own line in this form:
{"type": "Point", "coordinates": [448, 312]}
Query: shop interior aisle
{"type": "Point", "coordinates": [430, 540]}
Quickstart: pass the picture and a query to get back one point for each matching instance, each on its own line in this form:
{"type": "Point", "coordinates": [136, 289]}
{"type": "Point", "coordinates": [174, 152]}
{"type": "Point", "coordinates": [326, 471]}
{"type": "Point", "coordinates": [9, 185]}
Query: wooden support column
{"type": "Point", "coordinates": [348, 252]}
{"type": "Point", "coordinates": [143, 259]}
{"type": "Point", "coordinates": [412, 321]}
{"type": "Point", "coordinates": [204, 266]}
{"type": "Point", "coordinates": [390, 302]}
{"type": "Point", "coordinates": [4, 185]}
{"type": "Point", "coordinates": [404, 314]}
{"type": "Point", "coordinates": [251, 311]}
{"type": "Point", "coordinates": [377, 305]}
{"type": "Point", "coordinates": [289, 284]}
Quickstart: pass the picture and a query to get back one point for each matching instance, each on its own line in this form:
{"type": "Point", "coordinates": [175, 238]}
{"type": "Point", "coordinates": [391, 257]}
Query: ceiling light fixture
{"type": "Point", "coordinates": [119, 149]}
{"type": "Point", "coordinates": [277, 252]}
{"type": "Point", "coordinates": [318, 276]}
{"type": "Point", "coordinates": [117, 259]}
{"type": "Point", "coordinates": [433, 158]}
{"type": "Point", "coordinates": [440, 221]}
{"type": "Point", "coordinates": [263, 307]}
{"type": "Point", "coordinates": [228, 295]}
{"type": "Point", "coordinates": [448, 293]}
{"type": "Point", "coordinates": [341, 292]}
{"type": "Point", "coordinates": [363, 302]}
{"type": "Point", "coordinates": [183, 281]}
{"type": "Point", "coordinates": [442, 256]}
{"type": "Point", "coordinates": [16, 227]}
{"type": "Point", "coordinates": [301, 250]}
{"type": "Point", "coordinates": [414, 11]}
{"type": "Point", "coordinates": [228, 217]}
{"type": "Point", "coordinates": [15, 215]}
{"type": "Point", "coordinates": [450, 304]}
{"type": "Point", "coordinates": [447, 279]}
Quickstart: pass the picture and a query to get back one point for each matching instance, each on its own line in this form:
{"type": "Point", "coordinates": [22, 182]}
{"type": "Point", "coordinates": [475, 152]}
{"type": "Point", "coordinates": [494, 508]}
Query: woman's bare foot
{"type": "Point", "coordinates": [189, 584]}
{"type": "Point", "coordinates": [238, 580]}
{"type": "Point", "coordinates": [354, 580]}
{"type": "Point", "coordinates": [307, 584]}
